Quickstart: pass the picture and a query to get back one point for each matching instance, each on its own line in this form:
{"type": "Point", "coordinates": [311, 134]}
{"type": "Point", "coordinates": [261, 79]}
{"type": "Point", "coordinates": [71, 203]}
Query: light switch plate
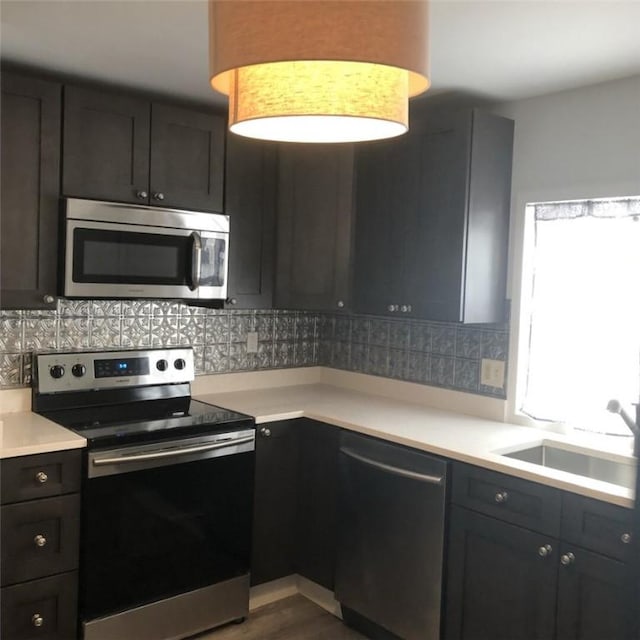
{"type": "Point", "coordinates": [252, 342]}
{"type": "Point", "coordinates": [492, 373]}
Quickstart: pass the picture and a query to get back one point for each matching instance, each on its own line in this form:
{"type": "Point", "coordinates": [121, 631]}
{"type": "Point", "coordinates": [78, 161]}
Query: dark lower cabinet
{"type": "Point", "coordinates": [294, 528]}
{"type": "Point", "coordinates": [250, 199]}
{"type": "Point", "coordinates": [593, 599]}
{"type": "Point", "coordinates": [499, 585]}
{"type": "Point", "coordinates": [30, 168]}
{"type": "Point", "coordinates": [317, 502]}
{"type": "Point", "coordinates": [43, 609]}
{"type": "Point", "coordinates": [527, 561]}
{"type": "Point", "coordinates": [275, 502]}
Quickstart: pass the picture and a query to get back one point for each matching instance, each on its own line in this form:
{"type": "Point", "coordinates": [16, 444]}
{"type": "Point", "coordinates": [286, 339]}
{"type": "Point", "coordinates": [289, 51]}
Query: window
{"type": "Point", "coordinates": [583, 312]}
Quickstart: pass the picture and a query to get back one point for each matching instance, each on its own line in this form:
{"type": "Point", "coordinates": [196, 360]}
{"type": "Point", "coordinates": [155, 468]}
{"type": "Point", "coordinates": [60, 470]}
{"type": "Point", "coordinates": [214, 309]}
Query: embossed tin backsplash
{"type": "Point", "coordinates": [439, 354]}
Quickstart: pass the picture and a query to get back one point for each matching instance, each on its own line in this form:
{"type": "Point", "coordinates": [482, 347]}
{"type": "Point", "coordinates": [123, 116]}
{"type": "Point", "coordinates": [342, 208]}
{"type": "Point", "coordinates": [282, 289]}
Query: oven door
{"type": "Point", "coordinates": [164, 519]}
{"type": "Point", "coordinates": [113, 260]}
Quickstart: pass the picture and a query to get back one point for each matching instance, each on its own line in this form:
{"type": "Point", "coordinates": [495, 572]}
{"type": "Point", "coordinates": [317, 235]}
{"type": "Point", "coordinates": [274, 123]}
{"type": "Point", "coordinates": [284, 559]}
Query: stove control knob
{"type": "Point", "coordinates": [78, 370]}
{"type": "Point", "coordinates": [180, 363]}
{"type": "Point", "coordinates": [162, 365]}
{"type": "Point", "coordinates": [57, 371]}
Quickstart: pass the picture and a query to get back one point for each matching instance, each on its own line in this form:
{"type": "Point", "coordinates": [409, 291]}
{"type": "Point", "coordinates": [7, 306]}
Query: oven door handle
{"type": "Point", "coordinates": [196, 260]}
{"type": "Point", "coordinates": [182, 451]}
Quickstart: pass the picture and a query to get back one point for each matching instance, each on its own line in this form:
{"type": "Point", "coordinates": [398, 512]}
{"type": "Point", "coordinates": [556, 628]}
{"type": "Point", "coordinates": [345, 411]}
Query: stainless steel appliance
{"type": "Point", "coordinates": [132, 251]}
{"type": "Point", "coordinates": [390, 550]}
{"type": "Point", "coordinates": [167, 493]}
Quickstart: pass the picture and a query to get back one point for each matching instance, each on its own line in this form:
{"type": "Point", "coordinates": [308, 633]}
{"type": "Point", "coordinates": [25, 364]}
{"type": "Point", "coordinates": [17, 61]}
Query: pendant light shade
{"type": "Point", "coordinates": [318, 71]}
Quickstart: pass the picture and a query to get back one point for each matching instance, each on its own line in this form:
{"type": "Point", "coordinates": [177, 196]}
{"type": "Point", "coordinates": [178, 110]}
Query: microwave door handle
{"type": "Point", "coordinates": [196, 260]}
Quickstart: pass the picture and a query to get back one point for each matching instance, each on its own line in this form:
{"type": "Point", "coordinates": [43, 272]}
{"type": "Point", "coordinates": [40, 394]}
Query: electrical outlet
{"type": "Point", "coordinates": [492, 373]}
{"type": "Point", "coordinates": [252, 342]}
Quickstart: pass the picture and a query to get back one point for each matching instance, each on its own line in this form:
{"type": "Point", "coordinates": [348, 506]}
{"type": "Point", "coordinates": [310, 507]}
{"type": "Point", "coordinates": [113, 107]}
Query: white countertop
{"type": "Point", "coordinates": [459, 437]}
{"type": "Point", "coordinates": [24, 433]}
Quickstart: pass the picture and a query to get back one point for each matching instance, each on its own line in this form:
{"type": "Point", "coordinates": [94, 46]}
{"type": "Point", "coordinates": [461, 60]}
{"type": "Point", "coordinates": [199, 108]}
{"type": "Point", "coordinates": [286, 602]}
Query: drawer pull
{"type": "Point", "coordinates": [40, 540]}
{"type": "Point", "coordinates": [265, 432]}
{"type": "Point", "coordinates": [41, 477]}
{"type": "Point", "coordinates": [501, 497]}
{"type": "Point", "coordinates": [545, 550]}
{"type": "Point", "coordinates": [626, 538]}
{"type": "Point", "coordinates": [567, 558]}
{"type": "Point", "coordinates": [37, 620]}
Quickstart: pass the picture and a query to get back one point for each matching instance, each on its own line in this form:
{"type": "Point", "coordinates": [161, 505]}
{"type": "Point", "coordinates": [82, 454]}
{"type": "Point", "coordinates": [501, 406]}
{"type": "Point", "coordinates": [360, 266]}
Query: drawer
{"type": "Point", "coordinates": [43, 609]}
{"type": "Point", "coordinates": [40, 476]}
{"type": "Point", "coordinates": [527, 504]}
{"type": "Point", "coordinates": [39, 538]}
{"type": "Point", "coordinates": [596, 525]}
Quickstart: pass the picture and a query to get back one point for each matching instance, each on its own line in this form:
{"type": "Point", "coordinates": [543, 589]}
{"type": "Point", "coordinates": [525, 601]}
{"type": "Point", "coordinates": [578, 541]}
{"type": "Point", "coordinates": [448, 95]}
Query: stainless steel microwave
{"type": "Point", "coordinates": [132, 251]}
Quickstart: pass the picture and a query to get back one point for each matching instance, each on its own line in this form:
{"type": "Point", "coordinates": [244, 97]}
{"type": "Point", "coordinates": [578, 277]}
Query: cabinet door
{"type": "Point", "coordinates": [317, 502]}
{"type": "Point", "coordinates": [41, 610]}
{"type": "Point", "coordinates": [385, 193]}
{"type": "Point", "coordinates": [499, 585]}
{"type": "Point", "coordinates": [594, 599]}
{"type": "Point", "coordinates": [187, 158]}
{"type": "Point", "coordinates": [30, 189]}
{"type": "Point", "coordinates": [315, 198]}
{"type": "Point", "coordinates": [435, 226]}
{"type": "Point", "coordinates": [106, 146]}
{"type": "Point", "coordinates": [250, 203]}
{"type": "Point", "coordinates": [275, 502]}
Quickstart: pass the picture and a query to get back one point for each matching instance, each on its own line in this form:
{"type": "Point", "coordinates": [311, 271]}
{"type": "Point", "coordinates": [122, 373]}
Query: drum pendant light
{"type": "Point", "coordinates": [319, 70]}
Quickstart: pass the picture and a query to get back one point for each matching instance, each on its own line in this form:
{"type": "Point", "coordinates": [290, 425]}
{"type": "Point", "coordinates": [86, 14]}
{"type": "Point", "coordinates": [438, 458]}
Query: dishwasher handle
{"type": "Point", "coordinates": [405, 473]}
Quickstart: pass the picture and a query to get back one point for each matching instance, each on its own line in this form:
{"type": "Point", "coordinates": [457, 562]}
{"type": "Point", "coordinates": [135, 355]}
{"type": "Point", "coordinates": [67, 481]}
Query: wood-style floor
{"type": "Point", "coordinates": [294, 618]}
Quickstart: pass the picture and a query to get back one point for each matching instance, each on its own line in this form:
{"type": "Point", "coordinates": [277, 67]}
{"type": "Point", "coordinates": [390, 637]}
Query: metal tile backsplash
{"type": "Point", "coordinates": [440, 354]}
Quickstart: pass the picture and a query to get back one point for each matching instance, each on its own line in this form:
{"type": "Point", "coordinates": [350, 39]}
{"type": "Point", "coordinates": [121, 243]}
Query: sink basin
{"type": "Point", "coordinates": [610, 468]}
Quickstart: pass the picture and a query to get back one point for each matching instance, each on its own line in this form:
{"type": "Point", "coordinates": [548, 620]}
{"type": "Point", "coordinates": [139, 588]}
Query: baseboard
{"type": "Point", "coordinates": [272, 591]}
{"type": "Point", "coordinates": [289, 586]}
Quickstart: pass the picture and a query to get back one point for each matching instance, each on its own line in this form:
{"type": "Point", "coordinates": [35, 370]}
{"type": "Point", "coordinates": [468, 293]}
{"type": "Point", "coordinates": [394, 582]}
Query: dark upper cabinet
{"type": "Point", "coordinates": [30, 143]}
{"type": "Point", "coordinates": [433, 219]}
{"type": "Point", "coordinates": [250, 183]}
{"type": "Point", "coordinates": [499, 586]}
{"type": "Point", "coordinates": [314, 214]}
{"type": "Point", "coordinates": [124, 148]}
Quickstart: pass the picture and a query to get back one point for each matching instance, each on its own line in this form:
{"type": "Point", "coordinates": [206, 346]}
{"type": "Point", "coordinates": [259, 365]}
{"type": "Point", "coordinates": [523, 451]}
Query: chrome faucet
{"type": "Point", "coordinates": [615, 407]}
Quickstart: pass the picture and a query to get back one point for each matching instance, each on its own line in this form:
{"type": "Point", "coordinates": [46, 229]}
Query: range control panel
{"type": "Point", "coordinates": [84, 370]}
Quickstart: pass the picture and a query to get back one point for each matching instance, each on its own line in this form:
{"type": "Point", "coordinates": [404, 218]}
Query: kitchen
{"type": "Point", "coordinates": [589, 136]}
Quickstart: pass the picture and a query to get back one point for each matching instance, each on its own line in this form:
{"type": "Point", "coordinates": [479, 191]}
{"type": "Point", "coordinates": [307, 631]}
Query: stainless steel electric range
{"type": "Point", "coordinates": [167, 493]}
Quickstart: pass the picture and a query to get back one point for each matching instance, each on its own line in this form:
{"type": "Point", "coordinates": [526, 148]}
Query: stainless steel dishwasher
{"type": "Point", "coordinates": [391, 537]}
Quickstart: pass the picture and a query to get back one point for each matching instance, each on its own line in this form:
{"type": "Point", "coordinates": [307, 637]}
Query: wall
{"type": "Point", "coordinates": [438, 354]}
{"type": "Point", "coordinates": [583, 143]}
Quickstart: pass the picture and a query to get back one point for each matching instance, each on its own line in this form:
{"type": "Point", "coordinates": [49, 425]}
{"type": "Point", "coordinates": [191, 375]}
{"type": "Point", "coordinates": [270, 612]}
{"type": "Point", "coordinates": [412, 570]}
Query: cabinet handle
{"type": "Point", "coordinates": [545, 550]}
{"type": "Point", "coordinates": [37, 620]}
{"type": "Point", "coordinates": [501, 497]}
{"type": "Point", "coordinates": [41, 477]}
{"type": "Point", "coordinates": [48, 299]}
{"type": "Point", "coordinates": [626, 538]}
{"type": "Point", "coordinates": [265, 432]}
{"type": "Point", "coordinates": [405, 308]}
{"type": "Point", "coordinates": [231, 301]}
{"type": "Point", "coordinates": [567, 558]}
{"type": "Point", "coordinates": [142, 195]}
{"type": "Point", "coordinates": [340, 304]}
{"type": "Point", "coordinates": [158, 196]}
{"type": "Point", "coordinates": [40, 540]}
{"type": "Point", "coordinates": [392, 308]}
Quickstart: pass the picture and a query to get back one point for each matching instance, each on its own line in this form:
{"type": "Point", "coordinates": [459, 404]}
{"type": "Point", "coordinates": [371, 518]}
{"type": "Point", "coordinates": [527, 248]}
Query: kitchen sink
{"type": "Point", "coordinates": [612, 468]}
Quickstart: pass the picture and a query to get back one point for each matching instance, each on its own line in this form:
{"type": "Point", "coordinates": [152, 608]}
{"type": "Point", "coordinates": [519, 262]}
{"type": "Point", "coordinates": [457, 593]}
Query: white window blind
{"type": "Point", "coordinates": [584, 320]}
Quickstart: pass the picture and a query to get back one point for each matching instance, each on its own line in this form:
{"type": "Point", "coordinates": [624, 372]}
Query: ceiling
{"type": "Point", "coordinates": [501, 50]}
